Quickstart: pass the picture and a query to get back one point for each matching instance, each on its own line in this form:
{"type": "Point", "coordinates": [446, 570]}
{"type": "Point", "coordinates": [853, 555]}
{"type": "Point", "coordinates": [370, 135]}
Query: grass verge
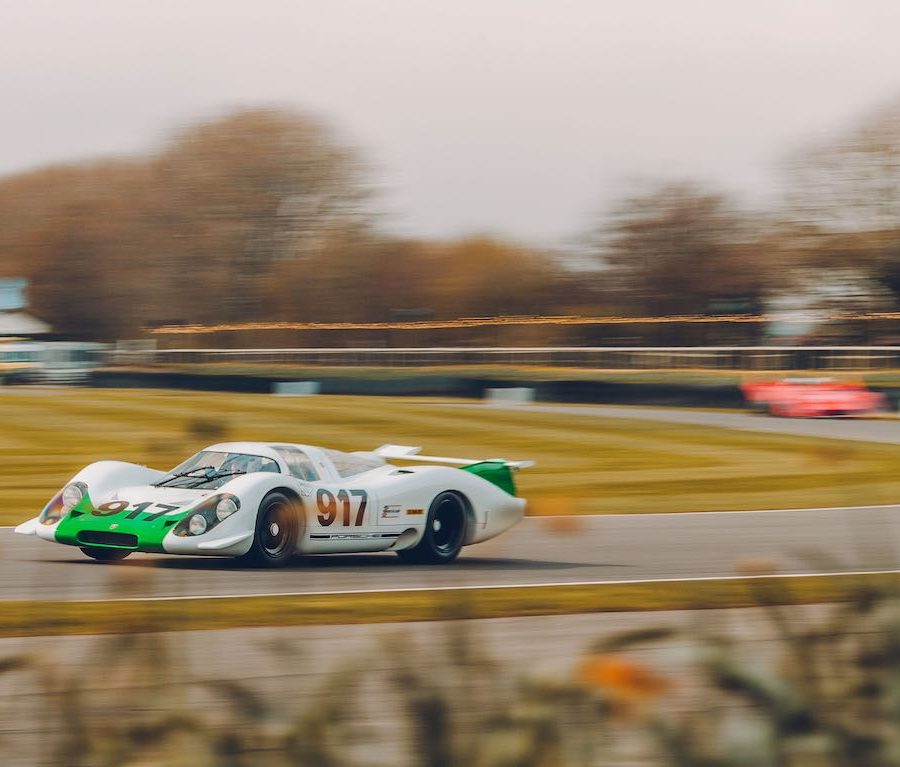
{"type": "Point", "coordinates": [51, 618]}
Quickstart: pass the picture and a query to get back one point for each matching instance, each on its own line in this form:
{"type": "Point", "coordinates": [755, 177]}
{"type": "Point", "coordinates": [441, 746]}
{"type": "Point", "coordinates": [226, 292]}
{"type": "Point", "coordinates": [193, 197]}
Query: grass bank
{"type": "Point", "coordinates": [585, 465]}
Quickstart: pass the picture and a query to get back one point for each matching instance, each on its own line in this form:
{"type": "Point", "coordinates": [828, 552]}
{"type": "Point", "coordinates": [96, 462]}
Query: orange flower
{"type": "Point", "coordinates": [622, 679]}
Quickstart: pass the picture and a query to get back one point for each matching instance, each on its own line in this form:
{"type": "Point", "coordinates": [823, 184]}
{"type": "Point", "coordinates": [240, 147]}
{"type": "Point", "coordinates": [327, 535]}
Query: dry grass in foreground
{"type": "Point", "coordinates": [56, 618]}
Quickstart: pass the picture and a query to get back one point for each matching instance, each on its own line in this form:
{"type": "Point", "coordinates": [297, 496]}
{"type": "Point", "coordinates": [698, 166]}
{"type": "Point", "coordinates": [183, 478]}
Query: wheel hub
{"type": "Point", "coordinates": [277, 532]}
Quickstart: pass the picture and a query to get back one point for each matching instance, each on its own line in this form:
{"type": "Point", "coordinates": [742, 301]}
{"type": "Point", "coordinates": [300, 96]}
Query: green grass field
{"type": "Point", "coordinates": [585, 465]}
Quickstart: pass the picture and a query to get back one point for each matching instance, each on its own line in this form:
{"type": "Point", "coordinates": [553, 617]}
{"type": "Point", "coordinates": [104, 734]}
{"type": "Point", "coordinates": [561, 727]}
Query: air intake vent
{"type": "Point", "coordinates": [102, 538]}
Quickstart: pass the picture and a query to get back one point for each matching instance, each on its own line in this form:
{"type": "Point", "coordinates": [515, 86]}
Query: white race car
{"type": "Point", "coordinates": [266, 502]}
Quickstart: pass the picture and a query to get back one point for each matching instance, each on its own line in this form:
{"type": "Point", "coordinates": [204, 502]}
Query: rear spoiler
{"type": "Point", "coordinates": [411, 453]}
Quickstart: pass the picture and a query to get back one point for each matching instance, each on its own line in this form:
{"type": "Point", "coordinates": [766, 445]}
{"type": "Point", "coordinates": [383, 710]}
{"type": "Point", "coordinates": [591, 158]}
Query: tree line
{"type": "Point", "coordinates": [266, 216]}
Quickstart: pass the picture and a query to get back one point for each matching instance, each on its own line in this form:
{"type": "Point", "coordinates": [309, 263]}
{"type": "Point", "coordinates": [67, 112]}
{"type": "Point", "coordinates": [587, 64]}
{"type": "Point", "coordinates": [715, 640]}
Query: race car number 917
{"type": "Point", "coordinates": [328, 504]}
{"type": "Point", "coordinates": [114, 507]}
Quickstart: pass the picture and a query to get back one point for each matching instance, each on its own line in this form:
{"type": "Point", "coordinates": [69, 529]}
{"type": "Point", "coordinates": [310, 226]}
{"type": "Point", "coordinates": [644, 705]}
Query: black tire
{"type": "Point", "coordinates": [105, 555]}
{"type": "Point", "coordinates": [445, 531]}
{"type": "Point", "coordinates": [277, 532]}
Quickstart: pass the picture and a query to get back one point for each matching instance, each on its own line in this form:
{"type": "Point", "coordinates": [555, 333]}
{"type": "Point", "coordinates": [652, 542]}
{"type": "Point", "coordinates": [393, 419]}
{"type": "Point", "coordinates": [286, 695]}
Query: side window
{"type": "Point", "coordinates": [247, 463]}
{"type": "Point", "coordinates": [299, 464]}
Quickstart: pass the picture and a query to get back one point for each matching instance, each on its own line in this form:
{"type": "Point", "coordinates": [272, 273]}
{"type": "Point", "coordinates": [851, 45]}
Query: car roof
{"type": "Point", "coordinates": [319, 456]}
{"type": "Point", "coordinates": [251, 448]}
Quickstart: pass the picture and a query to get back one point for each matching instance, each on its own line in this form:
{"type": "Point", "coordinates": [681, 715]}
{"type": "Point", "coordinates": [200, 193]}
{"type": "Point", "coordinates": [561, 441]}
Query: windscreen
{"type": "Point", "coordinates": [213, 468]}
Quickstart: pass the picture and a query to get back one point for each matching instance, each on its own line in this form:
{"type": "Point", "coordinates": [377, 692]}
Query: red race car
{"type": "Point", "coordinates": [812, 398]}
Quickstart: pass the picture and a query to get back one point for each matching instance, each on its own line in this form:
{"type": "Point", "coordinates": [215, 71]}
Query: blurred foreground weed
{"type": "Point", "coordinates": [821, 688]}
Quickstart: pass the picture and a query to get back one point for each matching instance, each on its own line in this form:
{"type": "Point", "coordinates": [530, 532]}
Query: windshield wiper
{"type": "Point", "coordinates": [181, 474]}
{"type": "Point", "coordinates": [215, 475]}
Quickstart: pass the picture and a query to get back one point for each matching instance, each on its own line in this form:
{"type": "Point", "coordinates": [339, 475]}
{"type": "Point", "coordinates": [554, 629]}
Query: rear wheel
{"type": "Point", "coordinates": [445, 530]}
{"type": "Point", "coordinates": [105, 555]}
{"type": "Point", "coordinates": [277, 531]}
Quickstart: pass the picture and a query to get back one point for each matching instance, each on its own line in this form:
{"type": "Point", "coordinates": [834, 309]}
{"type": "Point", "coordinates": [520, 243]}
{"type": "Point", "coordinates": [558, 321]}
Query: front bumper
{"type": "Point", "coordinates": [84, 526]}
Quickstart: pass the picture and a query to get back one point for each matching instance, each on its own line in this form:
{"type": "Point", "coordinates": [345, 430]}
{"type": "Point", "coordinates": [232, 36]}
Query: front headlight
{"type": "Point", "coordinates": [72, 495]}
{"type": "Point", "coordinates": [197, 524]}
{"type": "Point", "coordinates": [207, 515]}
{"type": "Point", "coordinates": [62, 503]}
{"type": "Point", "coordinates": [226, 507]}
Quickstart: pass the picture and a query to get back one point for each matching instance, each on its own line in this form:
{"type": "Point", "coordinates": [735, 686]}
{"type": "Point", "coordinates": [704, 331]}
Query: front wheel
{"type": "Point", "coordinates": [445, 531]}
{"type": "Point", "coordinates": [277, 532]}
{"type": "Point", "coordinates": [105, 555]}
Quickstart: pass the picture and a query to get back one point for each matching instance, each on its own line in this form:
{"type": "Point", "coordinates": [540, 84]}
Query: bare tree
{"type": "Point", "coordinates": [681, 249]}
{"type": "Point", "coordinates": [256, 188]}
{"type": "Point", "coordinates": [192, 233]}
{"type": "Point", "coordinates": [843, 198]}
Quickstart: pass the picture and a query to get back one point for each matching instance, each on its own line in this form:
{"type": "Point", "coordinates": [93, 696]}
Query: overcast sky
{"type": "Point", "coordinates": [520, 117]}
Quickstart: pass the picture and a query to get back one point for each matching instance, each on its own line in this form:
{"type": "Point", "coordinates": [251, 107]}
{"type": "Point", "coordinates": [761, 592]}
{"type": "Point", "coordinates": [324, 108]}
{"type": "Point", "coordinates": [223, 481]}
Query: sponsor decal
{"type": "Point", "coordinates": [306, 491]}
{"type": "Point", "coordinates": [390, 512]}
{"type": "Point", "coordinates": [414, 512]}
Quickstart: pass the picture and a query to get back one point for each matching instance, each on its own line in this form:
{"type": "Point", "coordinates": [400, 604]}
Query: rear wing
{"type": "Point", "coordinates": [410, 453]}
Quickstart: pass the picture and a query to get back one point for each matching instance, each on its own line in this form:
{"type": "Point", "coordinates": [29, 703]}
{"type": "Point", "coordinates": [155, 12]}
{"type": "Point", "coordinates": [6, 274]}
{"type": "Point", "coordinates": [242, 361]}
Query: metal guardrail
{"type": "Point", "coordinates": [762, 358]}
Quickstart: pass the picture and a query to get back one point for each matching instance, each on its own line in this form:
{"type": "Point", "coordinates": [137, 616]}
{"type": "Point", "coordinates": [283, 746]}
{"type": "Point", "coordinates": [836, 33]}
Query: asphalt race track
{"type": "Point", "coordinates": [538, 551]}
{"type": "Point", "coordinates": [587, 549]}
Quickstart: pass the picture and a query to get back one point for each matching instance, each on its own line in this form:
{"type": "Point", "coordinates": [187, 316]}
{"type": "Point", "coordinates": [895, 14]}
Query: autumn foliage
{"type": "Point", "coordinates": [261, 215]}
{"type": "Point", "coordinates": [268, 216]}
